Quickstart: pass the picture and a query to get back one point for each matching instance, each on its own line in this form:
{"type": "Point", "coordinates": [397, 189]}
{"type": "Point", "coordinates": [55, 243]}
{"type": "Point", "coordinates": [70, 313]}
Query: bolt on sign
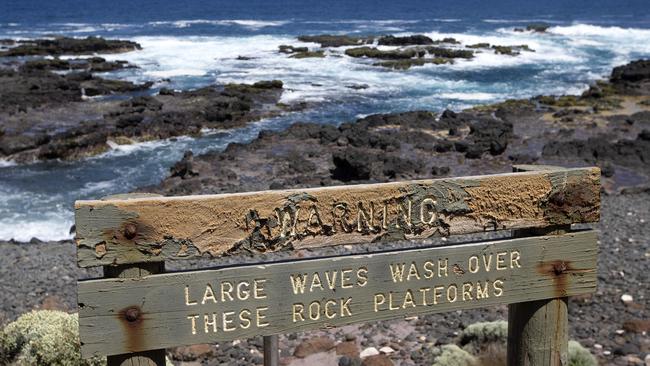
{"type": "Point", "coordinates": [180, 308]}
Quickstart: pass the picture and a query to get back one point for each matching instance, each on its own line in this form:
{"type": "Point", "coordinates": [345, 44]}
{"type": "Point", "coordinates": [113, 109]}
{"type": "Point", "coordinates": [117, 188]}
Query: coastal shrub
{"type": "Point", "coordinates": [478, 334]}
{"type": "Point", "coordinates": [580, 356]}
{"type": "Point", "coordinates": [43, 337]}
{"type": "Point", "coordinates": [487, 341]}
{"type": "Point", "coordinates": [452, 355]}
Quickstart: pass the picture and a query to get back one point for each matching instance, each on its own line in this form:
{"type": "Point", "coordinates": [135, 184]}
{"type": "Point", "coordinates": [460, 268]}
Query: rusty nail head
{"type": "Point", "coordinates": [130, 230]}
{"type": "Point", "coordinates": [559, 268]}
{"type": "Point", "coordinates": [132, 314]}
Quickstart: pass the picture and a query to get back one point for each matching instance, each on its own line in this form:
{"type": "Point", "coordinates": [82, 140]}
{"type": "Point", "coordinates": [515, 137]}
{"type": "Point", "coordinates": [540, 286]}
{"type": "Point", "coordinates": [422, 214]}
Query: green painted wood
{"type": "Point", "coordinates": [245, 301]}
{"type": "Point", "coordinates": [119, 231]}
{"type": "Point", "coordinates": [154, 357]}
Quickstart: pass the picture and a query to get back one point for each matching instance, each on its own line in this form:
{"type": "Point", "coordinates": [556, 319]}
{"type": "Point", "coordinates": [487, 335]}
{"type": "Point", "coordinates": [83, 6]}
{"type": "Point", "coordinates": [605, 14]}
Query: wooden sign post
{"type": "Point", "coordinates": [156, 310]}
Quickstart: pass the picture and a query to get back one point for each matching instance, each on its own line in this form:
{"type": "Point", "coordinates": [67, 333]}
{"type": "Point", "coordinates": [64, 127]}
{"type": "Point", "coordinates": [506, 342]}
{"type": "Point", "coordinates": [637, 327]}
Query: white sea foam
{"type": "Point", "coordinates": [6, 163]}
{"type": "Point", "coordinates": [447, 20]}
{"type": "Point", "coordinates": [470, 96]}
{"type": "Point", "coordinates": [48, 228]}
{"type": "Point", "coordinates": [596, 30]}
{"type": "Point", "coordinates": [246, 23]}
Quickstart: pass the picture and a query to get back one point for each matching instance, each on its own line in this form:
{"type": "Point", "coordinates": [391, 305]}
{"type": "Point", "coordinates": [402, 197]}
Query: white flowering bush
{"type": "Point", "coordinates": [43, 337]}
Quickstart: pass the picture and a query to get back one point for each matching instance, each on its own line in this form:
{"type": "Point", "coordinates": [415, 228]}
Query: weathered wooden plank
{"type": "Point", "coordinates": [538, 331]}
{"type": "Point", "coordinates": [156, 229]}
{"type": "Point", "coordinates": [145, 358]}
{"type": "Point", "coordinates": [238, 302]}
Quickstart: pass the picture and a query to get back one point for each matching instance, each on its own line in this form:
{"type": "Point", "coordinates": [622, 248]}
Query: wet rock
{"type": "Point", "coordinates": [184, 168]}
{"type": "Point", "coordinates": [373, 52]}
{"type": "Point", "coordinates": [70, 46]}
{"type": "Point", "coordinates": [479, 45]}
{"type": "Point", "coordinates": [537, 27]}
{"type": "Point", "coordinates": [328, 40]}
{"type": "Point", "coordinates": [634, 71]}
{"type": "Point", "coordinates": [449, 53]}
{"type": "Point", "coordinates": [417, 39]}
{"type": "Point", "coordinates": [449, 40]}
{"type": "Point", "coordinates": [407, 64]}
{"type": "Point", "coordinates": [308, 54]}
{"type": "Point", "coordinates": [283, 48]}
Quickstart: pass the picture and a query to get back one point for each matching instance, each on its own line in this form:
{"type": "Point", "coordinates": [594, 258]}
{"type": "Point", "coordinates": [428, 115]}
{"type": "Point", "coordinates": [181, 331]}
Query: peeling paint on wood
{"type": "Point", "coordinates": [156, 229]}
{"type": "Point", "coordinates": [205, 306]}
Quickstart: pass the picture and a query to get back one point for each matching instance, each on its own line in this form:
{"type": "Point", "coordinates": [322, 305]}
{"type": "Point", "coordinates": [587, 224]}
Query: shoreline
{"type": "Point", "coordinates": [608, 125]}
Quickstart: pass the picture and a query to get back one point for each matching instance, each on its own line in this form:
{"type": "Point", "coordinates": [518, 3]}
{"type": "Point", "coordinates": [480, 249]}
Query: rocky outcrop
{"type": "Point", "coordinates": [328, 40]}
{"type": "Point", "coordinates": [69, 46]}
{"type": "Point", "coordinates": [417, 39]}
{"type": "Point", "coordinates": [632, 78]}
{"type": "Point", "coordinates": [138, 119]}
{"type": "Point", "coordinates": [92, 64]}
{"type": "Point", "coordinates": [31, 87]}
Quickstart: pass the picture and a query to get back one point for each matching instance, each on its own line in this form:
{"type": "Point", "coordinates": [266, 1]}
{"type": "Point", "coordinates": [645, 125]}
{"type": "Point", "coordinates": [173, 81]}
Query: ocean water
{"type": "Point", "coordinates": [192, 43]}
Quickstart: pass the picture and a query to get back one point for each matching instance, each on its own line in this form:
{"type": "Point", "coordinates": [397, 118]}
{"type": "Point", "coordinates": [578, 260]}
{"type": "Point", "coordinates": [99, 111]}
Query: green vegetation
{"type": "Point", "coordinates": [485, 344]}
{"type": "Point", "coordinates": [580, 356]}
{"type": "Point", "coordinates": [43, 337]}
{"type": "Point", "coordinates": [452, 355]}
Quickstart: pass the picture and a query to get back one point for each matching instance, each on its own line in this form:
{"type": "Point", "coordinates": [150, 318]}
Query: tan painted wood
{"type": "Point", "coordinates": [171, 317]}
{"type": "Point", "coordinates": [538, 331]}
{"type": "Point", "coordinates": [170, 228]}
{"type": "Point", "coordinates": [145, 358]}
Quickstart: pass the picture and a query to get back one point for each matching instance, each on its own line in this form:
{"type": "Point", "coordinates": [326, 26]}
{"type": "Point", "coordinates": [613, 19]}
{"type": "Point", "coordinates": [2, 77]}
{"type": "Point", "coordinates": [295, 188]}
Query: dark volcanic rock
{"type": "Point", "coordinates": [137, 119]}
{"type": "Point", "coordinates": [633, 78]}
{"type": "Point", "coordinates": [449, 53]}
{"type": "Point", "coordinates": [70, 46]}
{"type": "Point", "coordinates": [291, 49]}
{"type": "Point", "coordinates": [373, 52]}
{"type": "Point", "coordinates": [629, 153]}
{"type": "Point", "coordinates": [183, 168]}
{"type": "Point", "coordinates": [634, 71]}
{"type": "Point", "coordinates": [92, 64]}
{"type": "Point", "coordinates": [27, 89]}
{"type": "Point", "coordinates": [488, 135]}
{"type": "Point", "coordinates": [328, 40]}
{"type": "Point", "coordinates": [537, 27]}
{"type": "Point", "coordinates": [417, 39]}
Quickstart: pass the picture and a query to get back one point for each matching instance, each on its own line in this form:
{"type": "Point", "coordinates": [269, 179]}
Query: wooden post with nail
{"type": "Point", "coordinates": [538, 331]}
{"type": "Point", "coordinates": [136, 311]}
{"type": "Point", "coordinates": [133, 315]}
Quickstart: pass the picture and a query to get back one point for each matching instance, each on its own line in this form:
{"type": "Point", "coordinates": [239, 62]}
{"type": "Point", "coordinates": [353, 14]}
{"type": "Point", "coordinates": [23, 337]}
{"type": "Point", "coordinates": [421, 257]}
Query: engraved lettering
{"type": "Point", "coordinates": [208, 295]}
{"type": "Point", "coordinates": [427, 207]}
{"type": "Point", "coordinates": [193, 318]}
{"type": "Point", "coordinates": [188, 302]}
{"type": "Point", "coordinates": [297, 311]}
